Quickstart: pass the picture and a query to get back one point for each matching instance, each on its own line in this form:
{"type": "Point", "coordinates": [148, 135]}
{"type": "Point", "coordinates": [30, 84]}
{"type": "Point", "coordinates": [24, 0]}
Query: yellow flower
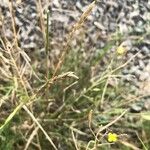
{"type": "Point", "coordinates": [112, 137]}
{"type": "Point", "coordinates": [121, 50]}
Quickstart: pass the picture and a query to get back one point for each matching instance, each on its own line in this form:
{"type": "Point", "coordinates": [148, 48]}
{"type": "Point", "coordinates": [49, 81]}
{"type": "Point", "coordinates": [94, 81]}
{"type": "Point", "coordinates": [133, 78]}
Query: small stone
{"type": "Point", "coordinates": [141, 64]}
{"type": "Point", "coordinates": [112, 26]}
{"type": "Point", "coordinates": [138, 73]}
{"type": "Point", "coordinates": [144, 76]}
{"type": "Point", "coordinates": [134, 69]}
{"type": "Point", "coordinates": [125, 71]}
{"type": "Point", "coordinates": [146, 62]}
{"type": "Point", "coordinates": [145, 50]}
{"type": "Point", "coordinates": [136, 108]}
{"type": "Point", "coordinates": [140, 56]}
{"type": "Point", "coordinates": [56, 3]}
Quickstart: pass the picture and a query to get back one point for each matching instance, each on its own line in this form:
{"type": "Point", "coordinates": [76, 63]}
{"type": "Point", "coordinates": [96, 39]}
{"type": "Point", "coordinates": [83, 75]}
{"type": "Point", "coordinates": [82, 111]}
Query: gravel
{"type": "Point", "coordinates": [130, 18]}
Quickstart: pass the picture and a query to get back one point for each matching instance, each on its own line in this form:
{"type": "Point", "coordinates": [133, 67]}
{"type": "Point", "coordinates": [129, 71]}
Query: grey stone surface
{"type": "Point", "coordinates": [131, 18]}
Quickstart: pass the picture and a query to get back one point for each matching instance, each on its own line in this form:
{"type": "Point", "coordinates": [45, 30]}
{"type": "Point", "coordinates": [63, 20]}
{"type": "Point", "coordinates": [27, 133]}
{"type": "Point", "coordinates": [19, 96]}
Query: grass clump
{"type": "Point", "coordinates": [66, 107]}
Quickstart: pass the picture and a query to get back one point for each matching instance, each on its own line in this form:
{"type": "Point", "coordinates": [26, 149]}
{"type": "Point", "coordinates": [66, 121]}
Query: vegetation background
{"type": "Point", "coordinates": [73, 93]}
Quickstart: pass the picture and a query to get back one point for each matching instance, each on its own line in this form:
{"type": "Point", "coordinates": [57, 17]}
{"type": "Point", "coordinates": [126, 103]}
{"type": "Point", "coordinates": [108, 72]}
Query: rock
{"type": "Point", "coordinates": [144, 76]}
{"type": "Point", "coordinates": [136, 108]}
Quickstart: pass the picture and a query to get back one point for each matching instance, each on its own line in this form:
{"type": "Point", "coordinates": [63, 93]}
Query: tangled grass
{"type": "Point", "coordinates": [67, 107]}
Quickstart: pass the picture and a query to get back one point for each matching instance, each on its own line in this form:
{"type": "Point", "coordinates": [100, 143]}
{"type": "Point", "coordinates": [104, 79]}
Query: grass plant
{"type": "Point", "coordinates": [67, 107]}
